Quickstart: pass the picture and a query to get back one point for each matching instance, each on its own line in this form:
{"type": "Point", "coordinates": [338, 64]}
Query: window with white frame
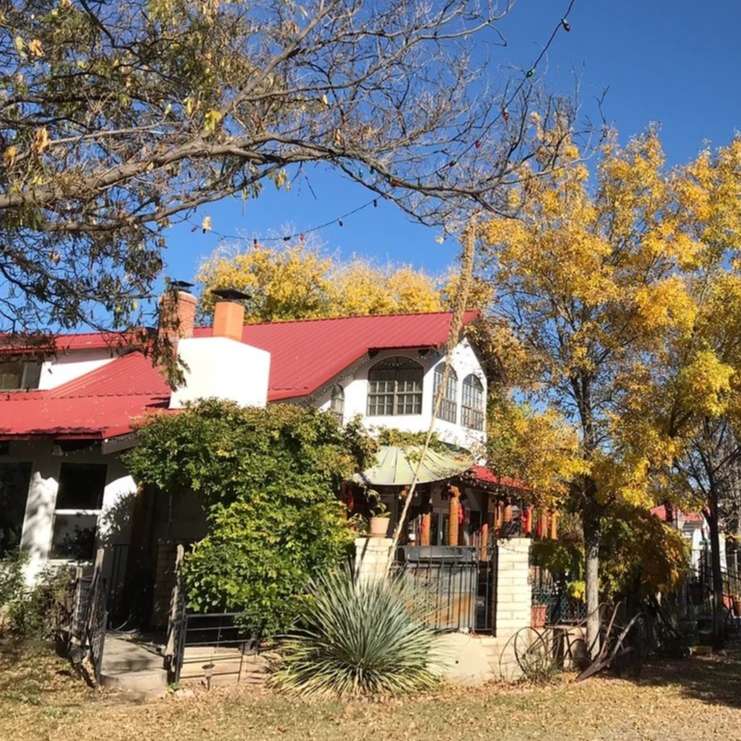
{"type": "Point", "coordinates": [337, 402]}
{"type": "Point", "coordinates": [448, 407]}
{"type": "Point", "coordinates": [78, 507]}
{"type": "Point", "coordinates": [18, 374]}
{"type": "Point", "coordinates": [395, 387]}
{"type": "Point", "coordinates": [472, 403]}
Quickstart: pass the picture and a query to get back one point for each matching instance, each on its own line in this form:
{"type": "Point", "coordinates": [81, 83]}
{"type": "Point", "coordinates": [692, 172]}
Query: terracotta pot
{"type": "Point", "coordinates": [737, 606]}
{"type": "Point", "coordinates": [538, 614]}
{"type": "Point", "coordinates": [379, 526]}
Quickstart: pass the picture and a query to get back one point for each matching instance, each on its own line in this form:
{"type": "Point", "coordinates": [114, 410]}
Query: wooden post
{"type": "Point", "coordinates": [454, 509]}
{"type": "Point", "coordinates": [425, 526]}
{"type": "Point", "coordinates": [484, 544]}
{"type": "Point", "coordinates": [498, 517]}
{"type": "Point", "coordinates": [527, 521]}
{"type": "Point", "coordinates": [508, 513]}
{"type": "Point", "coordinates": [542, 528]}
{"type": "Point", "coordinates": [554, 525]}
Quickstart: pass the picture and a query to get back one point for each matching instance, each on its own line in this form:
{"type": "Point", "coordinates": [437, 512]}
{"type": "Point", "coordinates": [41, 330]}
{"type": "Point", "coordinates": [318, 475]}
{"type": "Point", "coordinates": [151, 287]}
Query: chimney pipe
{"type": "Point", "coordinates": [229, 313]}
{"type": "Point", "coordinates": [177, 312]}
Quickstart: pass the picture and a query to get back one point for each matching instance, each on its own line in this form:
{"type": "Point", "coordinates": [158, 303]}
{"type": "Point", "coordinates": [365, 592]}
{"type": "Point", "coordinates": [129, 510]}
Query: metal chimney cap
{"type": "Point", "coordinates": [180, 285]}
{"type": "Point", "coordinates": [230, 294]}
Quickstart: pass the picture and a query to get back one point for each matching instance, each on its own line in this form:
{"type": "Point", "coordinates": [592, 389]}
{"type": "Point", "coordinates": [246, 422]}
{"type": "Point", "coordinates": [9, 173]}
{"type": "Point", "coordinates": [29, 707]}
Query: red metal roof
{"type": "Point", "coordinates": [66, 342]}
{"type": "Point", "coordinates": [100, 404]}
{"type": "Point", "coordinates": [304, 356]}
{"type": "Point", "coordinates": [485, 475]}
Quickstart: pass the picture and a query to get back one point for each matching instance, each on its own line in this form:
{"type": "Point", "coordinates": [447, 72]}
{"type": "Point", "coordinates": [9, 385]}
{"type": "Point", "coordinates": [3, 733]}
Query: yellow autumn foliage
{"type": "Point", "coordinates": [298, 281]}
{"type": "Point", "coordinates": [625, 291]}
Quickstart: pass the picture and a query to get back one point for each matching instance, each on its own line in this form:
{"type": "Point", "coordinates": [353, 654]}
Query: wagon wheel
{"type": "Point", "coordinates": [534, 652]}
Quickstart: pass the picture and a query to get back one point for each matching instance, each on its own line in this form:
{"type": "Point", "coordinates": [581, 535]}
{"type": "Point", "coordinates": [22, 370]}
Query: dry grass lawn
{"type": "Point", "coordinates": [699, 698]}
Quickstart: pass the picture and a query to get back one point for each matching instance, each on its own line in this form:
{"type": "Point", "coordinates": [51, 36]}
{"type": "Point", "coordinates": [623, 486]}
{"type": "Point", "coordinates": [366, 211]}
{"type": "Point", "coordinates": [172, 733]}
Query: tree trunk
{"type": "Point", "coordinates": [591, 578]}
{"type": "Point", "coordinates": [718, 606]}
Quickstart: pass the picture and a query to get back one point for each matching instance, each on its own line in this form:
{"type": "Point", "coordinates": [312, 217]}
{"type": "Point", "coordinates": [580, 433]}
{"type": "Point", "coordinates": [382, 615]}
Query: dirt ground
{"type": "Point", "coordinates": [697, 698]}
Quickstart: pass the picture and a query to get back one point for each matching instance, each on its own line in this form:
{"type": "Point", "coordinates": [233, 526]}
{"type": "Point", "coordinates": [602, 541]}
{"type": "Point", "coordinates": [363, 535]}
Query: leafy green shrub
{"type": "Point", "coordinates": [30, 613]}
{"type": "Point", "coordinates": [357, 638]}
{"type": "Point", "coordinates": [268, 480]}
{"type": "Point", "coordinates": [12, 581]}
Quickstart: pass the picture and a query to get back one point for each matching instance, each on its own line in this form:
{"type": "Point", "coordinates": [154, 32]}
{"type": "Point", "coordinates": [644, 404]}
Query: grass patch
{"type": "Point", "coordinates": [695, 698]}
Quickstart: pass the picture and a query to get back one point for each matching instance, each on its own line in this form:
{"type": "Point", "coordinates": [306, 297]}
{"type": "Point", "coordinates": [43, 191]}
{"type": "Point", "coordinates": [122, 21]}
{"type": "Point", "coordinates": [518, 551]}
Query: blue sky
{"type": "Point", "coordinates": [674, 62]}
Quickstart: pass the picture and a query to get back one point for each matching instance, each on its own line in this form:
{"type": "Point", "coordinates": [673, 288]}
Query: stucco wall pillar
{"type": "Point", "coordinates": [371, 558]}
{"type": "Point", "coordinates": [38, 521]}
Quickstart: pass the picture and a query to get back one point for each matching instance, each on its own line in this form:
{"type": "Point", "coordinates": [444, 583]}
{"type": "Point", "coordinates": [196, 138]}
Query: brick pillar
{"type": "Point", "coordinates": [512, 604]}
{"type": "Point", "coordinates": [514, 593]}
{"type": "Point", "coordinates": [371, 557]}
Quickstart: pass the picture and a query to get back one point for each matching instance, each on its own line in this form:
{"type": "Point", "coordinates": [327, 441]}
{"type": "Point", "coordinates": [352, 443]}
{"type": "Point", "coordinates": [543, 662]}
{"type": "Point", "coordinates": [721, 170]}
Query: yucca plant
{"type": "Point", "coordinates": [357, 638]}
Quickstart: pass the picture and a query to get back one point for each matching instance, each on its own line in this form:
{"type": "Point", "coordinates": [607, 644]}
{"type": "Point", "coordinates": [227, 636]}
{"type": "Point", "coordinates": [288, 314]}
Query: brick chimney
{"type": "Point", "coordinates": [177, 312]}
{"type": "Point", "coordinates": [229, 313]}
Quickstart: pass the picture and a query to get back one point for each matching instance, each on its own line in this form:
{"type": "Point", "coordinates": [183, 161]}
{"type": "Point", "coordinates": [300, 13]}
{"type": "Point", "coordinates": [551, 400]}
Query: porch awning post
{"type": "Point", "coordinates": [454, 508]}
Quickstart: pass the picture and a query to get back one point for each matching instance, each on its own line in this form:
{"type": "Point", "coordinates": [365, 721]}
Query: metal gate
{"type": "Point", "coordinates": [455, 586]}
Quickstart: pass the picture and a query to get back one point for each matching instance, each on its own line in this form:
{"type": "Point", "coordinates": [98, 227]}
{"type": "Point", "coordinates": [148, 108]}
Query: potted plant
{"type": "Point", "coordinates": [379, 520]}
{"type": "Point", "coordinates": [538, 615]}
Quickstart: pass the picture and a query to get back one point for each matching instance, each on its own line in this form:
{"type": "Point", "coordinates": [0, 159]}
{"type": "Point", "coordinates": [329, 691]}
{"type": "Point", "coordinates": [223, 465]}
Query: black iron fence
{"type": "Point", "coordinates": [455, 586]}
{"type": "Point", "coordinates": [85, 632]}
{"type": "Point", "coordinates": [552, 603]}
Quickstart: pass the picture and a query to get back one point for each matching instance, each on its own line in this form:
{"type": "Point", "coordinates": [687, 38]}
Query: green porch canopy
{"type": "Point", "coordinates": [395, 466]}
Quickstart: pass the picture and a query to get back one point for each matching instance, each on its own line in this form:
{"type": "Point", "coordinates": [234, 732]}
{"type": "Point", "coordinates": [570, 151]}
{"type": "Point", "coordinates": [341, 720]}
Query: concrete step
{"type": "Point", "coordinates": [145, 684]}
{"type": "Point", "coordinates": [132, 667]}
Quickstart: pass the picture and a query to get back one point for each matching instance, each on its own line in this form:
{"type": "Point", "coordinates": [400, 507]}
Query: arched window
{"type": "Point", "coordinates": [448, 409]}
{"type": "Point", "coordinates": [395, 387]}
{"type": "Point", "coordinates": [337, 403]}
{"type": "Point", "coordinates": [472, 403]}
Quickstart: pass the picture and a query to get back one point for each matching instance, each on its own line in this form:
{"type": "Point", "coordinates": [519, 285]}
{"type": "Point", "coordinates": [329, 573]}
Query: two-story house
{"type": "Point", "coordinates": [65, 419]}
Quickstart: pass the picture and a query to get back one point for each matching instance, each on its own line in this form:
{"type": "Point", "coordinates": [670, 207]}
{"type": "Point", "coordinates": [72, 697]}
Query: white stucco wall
{"type": "Point", "coordinates": [222, 368]}
{"type": "Point", "coordinates": [354, 381]}
{"type": "Point", "coordinates": [68, 366]}
{"type": "Point", "coordinates": [114, 519]}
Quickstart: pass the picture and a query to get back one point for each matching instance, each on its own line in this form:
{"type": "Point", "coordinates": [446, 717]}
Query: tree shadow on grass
{"type": "Point", "coordinates": [714, 679]}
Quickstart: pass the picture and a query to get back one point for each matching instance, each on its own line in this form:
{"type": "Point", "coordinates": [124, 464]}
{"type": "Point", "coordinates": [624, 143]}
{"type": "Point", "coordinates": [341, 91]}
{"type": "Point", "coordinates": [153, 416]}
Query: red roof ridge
{"type": "Point", "coordinates": [273, 322]}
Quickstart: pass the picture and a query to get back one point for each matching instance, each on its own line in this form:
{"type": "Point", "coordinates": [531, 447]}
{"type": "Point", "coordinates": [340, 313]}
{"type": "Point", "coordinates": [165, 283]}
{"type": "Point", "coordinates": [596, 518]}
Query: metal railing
{"type": "Point", "coordinates": [210, 645]}
{"type": "Point", "coordinates": [552, 603]}
{"type": "Point", "coordinates": [455, 586]}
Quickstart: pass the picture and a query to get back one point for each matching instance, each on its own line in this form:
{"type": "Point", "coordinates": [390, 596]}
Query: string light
{"type": "Point", "coordinates": [504, 113]}
{"type": "Point", "coordinates": [339, 220]}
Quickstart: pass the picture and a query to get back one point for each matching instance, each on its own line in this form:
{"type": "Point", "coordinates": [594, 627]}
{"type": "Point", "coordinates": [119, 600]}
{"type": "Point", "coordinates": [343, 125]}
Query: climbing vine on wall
{"type": "Point", "coordinates": [268, 480]}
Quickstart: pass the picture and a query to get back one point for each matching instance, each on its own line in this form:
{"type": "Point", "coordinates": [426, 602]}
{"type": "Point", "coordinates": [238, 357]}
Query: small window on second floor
{"type": "Point", "coordinates": [472, 403]}
{"type": "Point", "coordinates": [448, 408]}
{"type": "Point", "coordinates": [395, 387]}
{"type": "Point", "coordinates": [17, 374]}
{"type": "Point", "coordinates": [337, 403]}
